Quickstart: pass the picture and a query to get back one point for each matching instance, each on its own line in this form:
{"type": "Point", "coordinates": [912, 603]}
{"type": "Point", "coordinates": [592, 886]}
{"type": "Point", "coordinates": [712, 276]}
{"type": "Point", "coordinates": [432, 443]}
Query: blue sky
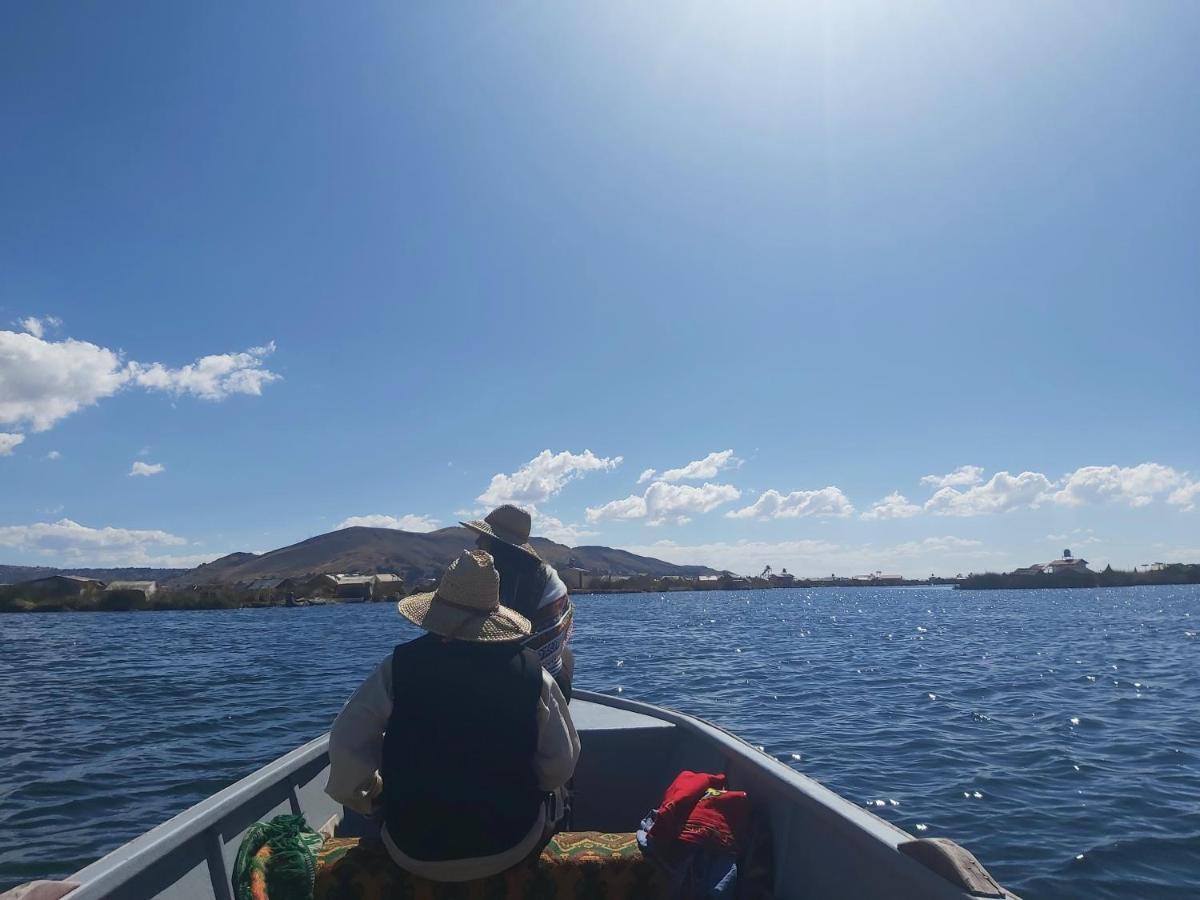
{"type": "Point", "coordinates": [324, 262]}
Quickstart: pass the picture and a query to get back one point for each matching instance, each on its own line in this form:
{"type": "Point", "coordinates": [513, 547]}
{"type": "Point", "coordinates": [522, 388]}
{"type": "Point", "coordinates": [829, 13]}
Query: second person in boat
{"type": "Point", "coordinates": [531, 587]}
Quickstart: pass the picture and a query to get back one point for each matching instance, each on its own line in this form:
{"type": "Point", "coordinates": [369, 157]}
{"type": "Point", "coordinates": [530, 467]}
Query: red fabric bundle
{"type": "Point", "coordinates": [697, 809]}
{"type": "Point", "coordinates": [717, 819]}
{"type": "Point", "coordinates": [679, 800]}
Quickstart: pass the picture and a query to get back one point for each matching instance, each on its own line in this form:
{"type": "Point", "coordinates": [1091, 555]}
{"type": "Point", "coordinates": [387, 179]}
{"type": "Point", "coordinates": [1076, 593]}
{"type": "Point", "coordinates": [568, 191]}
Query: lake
{"type": "Point", "coordinates": [1053, 733]}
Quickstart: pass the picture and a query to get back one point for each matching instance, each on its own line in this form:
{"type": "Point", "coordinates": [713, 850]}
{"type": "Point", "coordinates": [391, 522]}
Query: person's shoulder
{"type": "Point", "coordinates": [555, 587]}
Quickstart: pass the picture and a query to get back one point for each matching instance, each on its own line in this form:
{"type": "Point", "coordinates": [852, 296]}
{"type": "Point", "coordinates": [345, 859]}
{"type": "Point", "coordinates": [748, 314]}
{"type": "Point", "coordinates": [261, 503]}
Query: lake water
{"type": "Point", "coordinates": [1054, 733]}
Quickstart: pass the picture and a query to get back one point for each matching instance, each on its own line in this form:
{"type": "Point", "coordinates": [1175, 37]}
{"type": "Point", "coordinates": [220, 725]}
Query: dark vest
{"type": "Point", "coordinates": [458, 776]}
{"type": "Point", "coordinates": [528, 596]}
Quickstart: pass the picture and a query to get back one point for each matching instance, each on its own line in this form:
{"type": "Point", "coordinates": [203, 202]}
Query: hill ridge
{"type": "Point", "coordinates": [415, 555]}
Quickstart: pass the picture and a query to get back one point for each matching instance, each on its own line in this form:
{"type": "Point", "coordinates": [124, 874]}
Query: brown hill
{"type": "Point", "coordinates": [416, 556]}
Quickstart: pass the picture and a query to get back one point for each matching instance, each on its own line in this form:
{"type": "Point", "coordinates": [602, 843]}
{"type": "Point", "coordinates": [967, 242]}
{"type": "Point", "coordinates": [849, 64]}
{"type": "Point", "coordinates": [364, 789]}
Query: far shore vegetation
{"type": "Point", "coordinates": [1180, 573]}
{"type": "Point", "coordinates": [19, 598]}
{"type": "Point", "coordinates": [14, 599]}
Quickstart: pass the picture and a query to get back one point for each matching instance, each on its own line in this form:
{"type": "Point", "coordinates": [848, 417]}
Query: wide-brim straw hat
{"type": "Point", "coordinates": [466, 605]}
{"type": "Point", "coordinates": [508, 524]}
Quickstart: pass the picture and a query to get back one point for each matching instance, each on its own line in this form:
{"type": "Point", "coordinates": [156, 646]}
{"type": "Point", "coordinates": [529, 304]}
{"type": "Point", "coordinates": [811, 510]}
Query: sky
{"type": "Point", "coordinates": [832, 287]}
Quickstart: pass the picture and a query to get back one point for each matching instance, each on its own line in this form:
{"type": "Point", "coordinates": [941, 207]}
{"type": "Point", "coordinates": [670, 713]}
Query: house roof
{"type": "Point", "coordinates": [353, 579]}
{"type": "Point", "coordinates": [131, 585]}
{"type": "Point", "coordinates": [80, 579]}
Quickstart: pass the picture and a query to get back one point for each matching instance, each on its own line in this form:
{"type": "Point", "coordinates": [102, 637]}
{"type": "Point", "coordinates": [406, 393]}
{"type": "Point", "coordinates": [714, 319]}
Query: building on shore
{"type": "Point", "coordinates": [781, 579]}
{"type": "Point", "coordinates": [387, 586]}
{"type": "Point", "coordinates": [139, 591]}
{"type": "Point", "coordinates": [574, 577]}
{"type": "Point", "coordinates": [354, 587]}
{"type": "Point", "coordinates": [63, 586]}
{"type": "Point", "coordinates": [730, 582]}
{"type": "Point", "coordinates": [1035, 569]}
{"type": "Point", "coordinates": [1068, 563]}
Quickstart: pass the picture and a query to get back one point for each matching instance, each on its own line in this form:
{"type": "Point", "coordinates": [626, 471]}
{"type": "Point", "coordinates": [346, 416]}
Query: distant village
{"type": "Point", "coordinates": [1070, 571]}
{"type": "Point", "coordinates": [581, 581]}
{"type": "Point", "coordinates": [66, 593]}
{"type": "Point", "coordinates": [78, 593]}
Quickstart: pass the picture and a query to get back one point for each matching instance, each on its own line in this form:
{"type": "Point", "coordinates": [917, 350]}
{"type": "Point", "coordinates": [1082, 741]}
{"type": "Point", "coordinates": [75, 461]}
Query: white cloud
{"type": "Point", "coordinates": [147, 469]}
{"type": "Point", "coordinates": [212, 377]}
{"type": "Point", "coordinates": [38, 326]}
{"type": "Point", "coordinates": [631, 507]}
{"type": "Point", "coordinates": [399, 523]}
{"type": "Point", "coordinates": [698, 469]}
{"type": "Point", "coordinates": [1002, 493]}
{"type": "Point", "coordinates": [53, 454]}
{"type": "Point", "coordinates": [42, 381]}
{"type": "Point", "coordinates": [663, 502]}
{"type": "Point", "coordinates": [893, 506]}
{"type": "Point", "coordinates": [1134, 485]}
{"type": "Point", "coordinates": [71, 542]}
{"type": "Point", "coordinates": [1186, 496]}
{"type": "Point", "coordinates": [9, 442]}
{"type": "Point", "coordinates": [963, 476]}
{"type": "Point", "coordinates": [544, 477]}
{"type": "Point", "coordinates": [646, 475]}
{"type": "Point", "coordinates": [828, 501]}
{"type": "Point", "coordinates": [556, 530]}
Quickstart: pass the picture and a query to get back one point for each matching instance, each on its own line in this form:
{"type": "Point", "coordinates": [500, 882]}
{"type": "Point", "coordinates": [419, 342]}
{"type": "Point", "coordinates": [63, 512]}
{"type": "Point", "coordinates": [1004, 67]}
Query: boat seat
{"type": "Point", "coordinates": [573, 864]}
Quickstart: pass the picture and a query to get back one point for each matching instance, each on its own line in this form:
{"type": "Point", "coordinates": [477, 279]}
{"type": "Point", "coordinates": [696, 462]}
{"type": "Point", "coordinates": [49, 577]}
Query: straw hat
{"type": "Point", "coordinates": [508, 524]}
{"type": "Point", "coordinates": [466, 605]}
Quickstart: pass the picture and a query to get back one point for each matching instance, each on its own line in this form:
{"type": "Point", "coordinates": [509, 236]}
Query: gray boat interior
{"type": "Point", "coordinates": [824, 845]}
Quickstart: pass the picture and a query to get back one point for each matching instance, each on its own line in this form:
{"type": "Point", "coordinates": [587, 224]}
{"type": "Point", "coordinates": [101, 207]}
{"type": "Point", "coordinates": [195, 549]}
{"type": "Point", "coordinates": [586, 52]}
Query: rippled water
{"type": "Point", "coordinates": [1054, 733]}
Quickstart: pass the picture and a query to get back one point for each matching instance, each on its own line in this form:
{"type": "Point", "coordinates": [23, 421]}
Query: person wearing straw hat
{"type": "Point", "coordinates": [460, 739]}
{"type": "Point", "coordinates": [531, 587]}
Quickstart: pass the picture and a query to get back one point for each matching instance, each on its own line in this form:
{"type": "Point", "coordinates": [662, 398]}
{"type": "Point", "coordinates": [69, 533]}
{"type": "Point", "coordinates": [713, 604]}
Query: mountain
{"type": "Point", "coordinates": [416, 556]}
{"type": "Point", "coordinates": [16, 574]}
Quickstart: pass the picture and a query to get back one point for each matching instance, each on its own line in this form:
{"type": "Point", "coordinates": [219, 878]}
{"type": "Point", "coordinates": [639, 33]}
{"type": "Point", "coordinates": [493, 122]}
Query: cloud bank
{"type": "Point", "coordinates": [963, 476]}
{"type": "Point", "coordinates": [399, 523]}
{"type": "Point", "coordinates": [44, 381]}
{"type": "Point", "coordinates": [893, 506]}
{"type": "Point", "coordinates": [663, 502]}
{"type": "Point", "coordinates": [771, 504]}
{"type": "Point", "coordinates": [66, 542]}
{"type": "Point", "coordinates": [544, 477]}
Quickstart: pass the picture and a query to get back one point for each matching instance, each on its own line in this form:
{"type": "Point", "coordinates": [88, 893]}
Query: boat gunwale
{"type": "Point", "coordinates": [135, 856]}
{"type": "Point", "coordinates": [138, 854]}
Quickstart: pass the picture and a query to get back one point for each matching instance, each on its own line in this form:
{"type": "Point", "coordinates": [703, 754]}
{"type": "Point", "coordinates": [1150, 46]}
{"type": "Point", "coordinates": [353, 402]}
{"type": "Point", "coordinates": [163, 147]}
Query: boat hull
{"type": "Point", "coordinates": [825, 846]}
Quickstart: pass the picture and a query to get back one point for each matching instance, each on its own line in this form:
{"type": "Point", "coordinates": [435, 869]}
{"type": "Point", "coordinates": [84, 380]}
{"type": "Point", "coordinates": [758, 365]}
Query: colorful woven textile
{"type": "Point", "coordinates": [573, 864]}
{"type": "Point", "coordinates": [552, 626]}
{"type": "Point", "coordinates": [277, 860]}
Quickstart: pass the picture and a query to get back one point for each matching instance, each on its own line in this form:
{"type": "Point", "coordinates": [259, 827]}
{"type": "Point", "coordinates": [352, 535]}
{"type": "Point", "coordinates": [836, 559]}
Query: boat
{"type": "Point", "coordinates": [824, 845]}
